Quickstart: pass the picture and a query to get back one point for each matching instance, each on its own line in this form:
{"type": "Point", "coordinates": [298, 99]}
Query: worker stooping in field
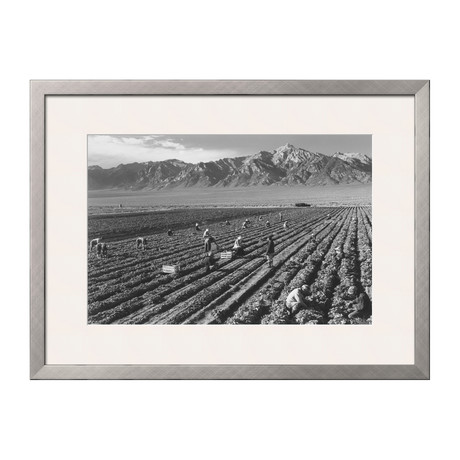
{"type": "Point", "coordinates": [270, 252]}
{"type": "Point", "coordinates": [141, 243]}
{"type": "Point", "coordinates": [267, 224]}
{"type": "Point", "coordinates": [285, 226]}
{"type": "Point", "coordinates": [197, 227]}
{"type": "Point", "coordinates": [296, 299]}
{"type": "Point", "coordinates": [227, 222]}
{"type": "Point", "coordinates": [362, 307]}
{"type": "Point", "coordinates": [170, 232]}
{"type": "Point", "coordinates": [104, 250]}
{"type": "Point", "coordinates": [238, 247]}
{"type": "Point", "coordinates": [93, 243]}
{"type": "Point", "coordinates": [206, 233]}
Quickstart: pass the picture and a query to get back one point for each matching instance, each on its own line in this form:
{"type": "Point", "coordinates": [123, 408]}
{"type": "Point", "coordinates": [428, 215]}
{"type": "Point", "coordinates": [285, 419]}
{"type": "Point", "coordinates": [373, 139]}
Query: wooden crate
{"type": "Point", "coordinates": [226, 255]}
{"type": "Point", "coordinates": [170, 268]}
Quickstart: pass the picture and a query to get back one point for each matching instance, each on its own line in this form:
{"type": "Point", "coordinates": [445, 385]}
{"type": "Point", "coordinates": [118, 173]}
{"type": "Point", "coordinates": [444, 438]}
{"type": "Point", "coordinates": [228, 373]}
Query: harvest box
{"type": "Point", "coordinates": [170, 268]}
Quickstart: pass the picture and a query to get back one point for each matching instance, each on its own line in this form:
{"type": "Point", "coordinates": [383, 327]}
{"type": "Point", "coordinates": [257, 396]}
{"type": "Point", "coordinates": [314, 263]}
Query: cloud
{"type": "Point", "coordinates": [141, 140]}
{"type": "Point", "coordinates": [169, 144]}
{"type": "Point", "coordinates": [109, 150]}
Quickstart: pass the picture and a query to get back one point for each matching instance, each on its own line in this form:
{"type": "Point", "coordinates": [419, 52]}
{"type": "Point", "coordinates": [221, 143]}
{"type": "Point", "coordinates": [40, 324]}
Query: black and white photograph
{"type": "Point", "coordinates": [230, 229]}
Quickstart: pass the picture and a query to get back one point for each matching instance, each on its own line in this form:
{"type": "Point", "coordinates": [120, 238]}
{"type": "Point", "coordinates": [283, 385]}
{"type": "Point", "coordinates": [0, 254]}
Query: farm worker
{"type": "Point", "coordinates": [141, 243]}
{"type": "Point", "coordinates": [267, 224]}
{"type": "Point", "coordinates": [209, 261]}
{"type": "Point", "coordinates": [281, 217]}
{"type": "Point", "coordinates": [104, 249]}
{"type": "Point", "coordinates": [227, 222]}
{"type": "Point", "coordinates": [270, 250]}
{"type": "Point", "coordinates": [99, 250]}
{"type": "Point", "coordinates": [260, 218]}
{"type": "Point", "coordinates": [362, 306]}
{"type": "Point", "coordinates": [197, 227]}
{"type": "Point", "coordinates": [351, 293]}
{"type": "Point", "coordinates": [296, 299]}
{"type": "Point", "coordinates": [170, 233]}
{"type": "Point", "coordinates": [94, 243]}
{"type": "Point", "coordinates": [208, 243]}
{"type": "Point", "coordinates": [238, 247]}
{"type": "Point", "coordinates": [206, 233]}
{"type": "Point", "coordinates": [285, 226]}
{"type": "Point", "coordinates": [245, 224]}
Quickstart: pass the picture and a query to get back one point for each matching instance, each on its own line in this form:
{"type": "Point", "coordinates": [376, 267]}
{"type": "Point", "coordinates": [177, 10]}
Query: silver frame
{"type": "Point", "coordinates": [40, 89]}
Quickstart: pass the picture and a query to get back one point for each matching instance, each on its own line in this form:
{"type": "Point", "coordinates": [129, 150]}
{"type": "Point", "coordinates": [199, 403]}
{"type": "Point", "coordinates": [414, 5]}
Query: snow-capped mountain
{"type": "Point", "coordinates": [287, 165]}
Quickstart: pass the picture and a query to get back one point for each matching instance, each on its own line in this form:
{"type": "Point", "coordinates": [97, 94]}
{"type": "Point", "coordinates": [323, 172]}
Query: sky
{"type": "Point", "coordinates": [111, 150]}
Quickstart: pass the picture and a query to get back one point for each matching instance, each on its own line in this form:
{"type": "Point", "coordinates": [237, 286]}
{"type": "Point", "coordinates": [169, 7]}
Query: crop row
{"type": "Point", "coordinates": [324, 256]}
{"type": "Point", "coordinates": [124, 254]}
{"type": "Point", "coordinates": [116, 226]}
{"type": "Point", "coordinates": [192, 297]}
{"type": "Point", "coordinates": [248, 308]}
{"type": "Point", "coordinates": [164, 286]}
{"type": "Point", "coordinates": [191, 260]}
{"type": "Point", "coordinates": [328, 249]}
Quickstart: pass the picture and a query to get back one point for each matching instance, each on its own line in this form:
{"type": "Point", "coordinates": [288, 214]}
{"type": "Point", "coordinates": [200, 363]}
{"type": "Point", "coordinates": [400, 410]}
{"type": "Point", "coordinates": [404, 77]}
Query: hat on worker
{"type": "Point", "coordinates": [351, 290]}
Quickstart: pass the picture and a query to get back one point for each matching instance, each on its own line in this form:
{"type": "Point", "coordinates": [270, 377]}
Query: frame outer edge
{"type": "Point", "coordinates": [228, 87]}
{"type": "Point", "coordinates": [227, 372]}
{"type": "Point", "coordinates": [422, 230]}
{"type": "Point", "coordinates": [37, 228]}
{"type": "Point", "coordinates": [39, 89]}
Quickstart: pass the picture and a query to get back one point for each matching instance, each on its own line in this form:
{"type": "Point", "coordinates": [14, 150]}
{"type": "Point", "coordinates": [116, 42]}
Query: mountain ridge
{"type": "Point", "coordinates": [286, 165]}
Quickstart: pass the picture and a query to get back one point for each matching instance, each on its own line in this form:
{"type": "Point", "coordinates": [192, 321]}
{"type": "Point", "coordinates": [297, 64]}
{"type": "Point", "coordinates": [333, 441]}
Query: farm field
{"type": "Point", "coordinates": [139, 223]}
{"type": "Point", "coordinates": [327, 248]}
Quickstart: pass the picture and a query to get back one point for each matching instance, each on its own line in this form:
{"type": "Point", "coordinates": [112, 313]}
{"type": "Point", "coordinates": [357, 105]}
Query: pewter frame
{"type": "Point", "coordinates": [40, 89]}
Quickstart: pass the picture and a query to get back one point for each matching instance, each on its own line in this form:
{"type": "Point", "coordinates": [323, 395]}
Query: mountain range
{"type": "Point", "coordinates": [286, 165]}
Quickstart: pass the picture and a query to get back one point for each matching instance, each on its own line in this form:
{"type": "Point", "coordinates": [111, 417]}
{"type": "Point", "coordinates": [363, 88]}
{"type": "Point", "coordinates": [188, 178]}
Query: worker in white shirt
{"type": "Point", "coordinates": [238, 247]}
{"type": "Point", "coordinates": [206, 233]}
{"type": "Point", "coordinates": [296, 299]}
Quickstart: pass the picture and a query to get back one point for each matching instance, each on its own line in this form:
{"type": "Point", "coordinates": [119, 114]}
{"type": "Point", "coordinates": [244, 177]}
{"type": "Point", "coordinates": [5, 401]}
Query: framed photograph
{"type": "Point", "coordinates": [230, 229]}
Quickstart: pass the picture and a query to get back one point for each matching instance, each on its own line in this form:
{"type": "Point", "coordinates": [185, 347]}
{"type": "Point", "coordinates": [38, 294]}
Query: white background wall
{"type": "Point", "coordinates": [266, 40]}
